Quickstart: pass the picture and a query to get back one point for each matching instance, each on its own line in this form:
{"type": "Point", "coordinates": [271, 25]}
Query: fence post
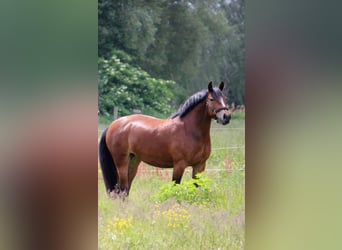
{"type": "Point", "coordinates": [115, 113]}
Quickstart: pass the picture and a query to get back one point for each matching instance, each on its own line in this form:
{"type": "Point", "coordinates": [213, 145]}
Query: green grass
{"type": "Point", "coordinates": [238, 115]}
{"type": "Point", "coordinates": [141, 222]}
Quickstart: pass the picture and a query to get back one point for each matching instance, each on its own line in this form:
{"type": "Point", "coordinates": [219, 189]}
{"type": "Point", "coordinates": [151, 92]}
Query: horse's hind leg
{"type": "Point", "coordinates": [122, 167]}
{"type": "Point", "coordinates": [132, 169]}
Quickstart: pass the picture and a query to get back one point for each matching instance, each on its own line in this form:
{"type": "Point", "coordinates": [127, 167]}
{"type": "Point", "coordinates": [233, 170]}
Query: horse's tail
{"type": "Point", "coordinates": [109, 171]}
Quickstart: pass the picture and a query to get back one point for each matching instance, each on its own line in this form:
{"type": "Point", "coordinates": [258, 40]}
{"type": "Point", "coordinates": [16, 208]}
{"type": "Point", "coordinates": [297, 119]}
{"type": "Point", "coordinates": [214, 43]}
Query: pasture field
{"type": "Point", "coordinates": [142, 222]}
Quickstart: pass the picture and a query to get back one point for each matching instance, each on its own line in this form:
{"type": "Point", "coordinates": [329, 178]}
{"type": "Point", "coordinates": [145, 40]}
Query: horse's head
{"type": "Point", "coordinates": [216, 103]}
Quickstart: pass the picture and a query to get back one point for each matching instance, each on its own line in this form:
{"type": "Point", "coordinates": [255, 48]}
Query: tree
{"type": "Point", "coordinates": [234, 71]}
{"type": "Point", "coordinates": [127, 25]}
{"type": "Point", "coordinates": [189, 42]}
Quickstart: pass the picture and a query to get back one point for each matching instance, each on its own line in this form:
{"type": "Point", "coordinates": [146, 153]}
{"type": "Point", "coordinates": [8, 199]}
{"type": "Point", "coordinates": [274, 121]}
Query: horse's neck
{"type": "Point", "coordinates": [198, 120]}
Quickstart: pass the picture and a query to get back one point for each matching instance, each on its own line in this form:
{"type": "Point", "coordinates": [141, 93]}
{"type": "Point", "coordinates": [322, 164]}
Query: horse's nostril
{"type": "Point", "coordinates": [226, 117]}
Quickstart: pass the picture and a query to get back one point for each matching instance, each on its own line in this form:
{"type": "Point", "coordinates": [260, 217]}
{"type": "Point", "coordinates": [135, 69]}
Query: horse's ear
{"type": "Point", "coordinates": [221, 86]}
{"type": "Point", "coordinates": [210, 86]}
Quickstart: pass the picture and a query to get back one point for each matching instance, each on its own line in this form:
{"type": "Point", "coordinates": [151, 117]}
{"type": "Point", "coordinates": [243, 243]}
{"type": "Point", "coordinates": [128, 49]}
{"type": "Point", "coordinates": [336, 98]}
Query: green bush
{"type": "Point", "coordinates": [187, 191]}
{"type": "Point", "coordinates": [128, 87]}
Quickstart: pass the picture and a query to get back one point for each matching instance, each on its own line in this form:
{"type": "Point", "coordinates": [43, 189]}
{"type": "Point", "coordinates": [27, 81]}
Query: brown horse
{"type": "Point", "coordinates": [177, 142]}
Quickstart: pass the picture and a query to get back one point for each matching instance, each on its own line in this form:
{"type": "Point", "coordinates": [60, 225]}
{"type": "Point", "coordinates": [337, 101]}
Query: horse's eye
{"type": "Point", "coordinates": [211, 99]}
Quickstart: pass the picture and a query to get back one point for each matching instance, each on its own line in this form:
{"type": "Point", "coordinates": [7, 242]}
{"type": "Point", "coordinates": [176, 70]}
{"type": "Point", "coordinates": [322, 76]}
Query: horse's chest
{"type": "Point", "coordinates": [195, 152]}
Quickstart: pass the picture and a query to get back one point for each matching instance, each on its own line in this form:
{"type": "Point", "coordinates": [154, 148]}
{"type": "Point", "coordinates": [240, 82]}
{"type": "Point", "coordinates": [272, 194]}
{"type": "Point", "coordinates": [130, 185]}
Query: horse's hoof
{"type": "Point", "coordinates": [123, 194]}
{"type": "Point", "coordinates": [115, 194]}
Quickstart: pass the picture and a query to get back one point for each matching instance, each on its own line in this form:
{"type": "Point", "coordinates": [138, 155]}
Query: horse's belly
{"type": "Point", "coordinates": [152, 151]}
{"type": "Point", "coordinates": [156, 159]}
{"type": "Point", "coordinates": [151, 148]}
{"type": "Point", "coordinates": [159, 164]}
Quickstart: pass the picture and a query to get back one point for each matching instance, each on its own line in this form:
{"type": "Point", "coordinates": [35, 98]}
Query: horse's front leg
{"type": "Point", "coordinates": [199, 168]}
{"type": "Point", "coordinates": [178, 171]}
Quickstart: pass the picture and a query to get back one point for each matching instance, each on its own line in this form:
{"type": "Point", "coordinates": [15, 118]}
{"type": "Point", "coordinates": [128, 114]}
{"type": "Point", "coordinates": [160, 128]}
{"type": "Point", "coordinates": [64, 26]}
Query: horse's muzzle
{"type": "Point", "coordinates": [226, 118]}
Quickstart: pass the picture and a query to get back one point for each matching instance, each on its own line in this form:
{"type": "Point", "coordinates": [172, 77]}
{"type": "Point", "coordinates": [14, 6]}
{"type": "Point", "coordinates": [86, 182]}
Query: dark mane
{"type": "Point", "coordinates": [190, 103]}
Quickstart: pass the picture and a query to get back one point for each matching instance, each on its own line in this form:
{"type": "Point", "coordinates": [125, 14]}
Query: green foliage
{"type": "Point", "coordinates": [187, 191]}
{"type": "Point", "coordinates": [128, 87]}
{"type": "Point", "coordinates": [189, 42]}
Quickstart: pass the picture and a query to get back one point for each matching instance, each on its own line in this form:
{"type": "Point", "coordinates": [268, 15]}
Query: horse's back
{"type": "Point", "coordinates": [142, 122]}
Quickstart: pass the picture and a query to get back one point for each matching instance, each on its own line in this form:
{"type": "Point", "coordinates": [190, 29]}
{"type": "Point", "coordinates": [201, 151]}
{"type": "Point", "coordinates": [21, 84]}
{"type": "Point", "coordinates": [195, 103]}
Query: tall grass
{"type": "Point", "coordinates": [141, 222]}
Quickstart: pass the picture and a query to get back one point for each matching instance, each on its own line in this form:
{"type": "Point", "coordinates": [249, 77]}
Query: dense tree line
{"type": "Point", "coordinates": [187, 42]}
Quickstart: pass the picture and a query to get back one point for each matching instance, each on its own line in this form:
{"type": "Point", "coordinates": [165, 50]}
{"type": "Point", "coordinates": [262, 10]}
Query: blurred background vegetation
{"type": "Point", "coordinates": [153, 54]}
